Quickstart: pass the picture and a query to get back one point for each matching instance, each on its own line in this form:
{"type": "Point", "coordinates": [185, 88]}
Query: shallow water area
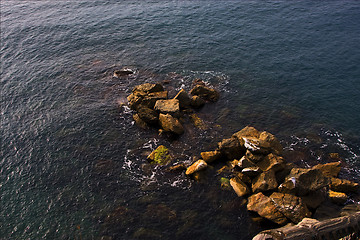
{"type": "Point", "coordinates": [73, 163]}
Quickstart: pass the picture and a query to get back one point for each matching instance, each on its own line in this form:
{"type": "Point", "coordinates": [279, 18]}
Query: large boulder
{"type": "Point", "coordinates": [266, 181]}
{"type": "Point", "coordinates": [301, 181]}
{"type": "Point", "coordinates": [240, 188]}
{"type": "Point", "coordinates": [150, 99]}
{"type": "Point", "coordinates": [148, 88]}
{"type": "Point", "coordinates": [160, 155]}
{"type": "Point", "coordinates": [254, 157]}
{"type": "Point", "coordinates": [244, 162]}
{"type": "Point", "coordinates": [170, 124]}
{"type": "Point", "coordinates": [247, 132]}
{"type": "Point", "coordinates": [291, 206]}
{"type": "Point", "coordinates": [266, 208]}
{"type": "Point", "coordinates": [206, 93]}
{"type": "Point", "coordinates": [231, 148]}
{"type": "Point", "coordinates": [196, 167]}
{"type": "Point", "coordinates": [184, 99]}
{"type": "Point", "coordinates": [329, 169]}
{"type": "Point", "coordinates": [144, 91]}
{"type": "Point", "coordinates": [343, 185]}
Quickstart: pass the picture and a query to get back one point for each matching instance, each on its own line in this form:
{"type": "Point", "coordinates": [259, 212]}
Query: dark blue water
{"type": "Point", "coordinates": [291, 68]}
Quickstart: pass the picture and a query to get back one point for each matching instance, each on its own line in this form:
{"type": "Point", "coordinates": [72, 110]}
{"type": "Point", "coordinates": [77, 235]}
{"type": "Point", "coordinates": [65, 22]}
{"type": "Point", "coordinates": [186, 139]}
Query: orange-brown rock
{"type": "Point", "coordinates": [168, 106]}
{"type": "Point", "coordinates": [195, 167]}
{"type": "Point", "coordinates": [329, 169]}
{"type": "Point", "coordinates": [184, 99]}
{"type": "Point", "coordinates": [205, 93]}
{"type": "Point", "coordinates": [272, 162]}
{"type": "Point", "coordinates": [290, 206]}
{"type": "Point", "coordinates": [343, 185]}
{"type": "Point", "coordinates": [170, 124]}
{"type": "Point", "coordinates": [273, 142]}
{"type": "Point", "coordinates": [264, 182]}
{"type": "Point", "coordinates": [240, 188]}
{"type": "Point", "coordinates": [231, 148]}
{"type": "Point", "coordinates": [266, 208]}
{"type": "Point", "coordinates": [338, 197]}
{"type": "Point", "coordinates": [211, 156]}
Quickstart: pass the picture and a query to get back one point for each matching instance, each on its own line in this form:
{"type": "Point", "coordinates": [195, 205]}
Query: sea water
{"type": "Point", "coordinates": [73, 164]}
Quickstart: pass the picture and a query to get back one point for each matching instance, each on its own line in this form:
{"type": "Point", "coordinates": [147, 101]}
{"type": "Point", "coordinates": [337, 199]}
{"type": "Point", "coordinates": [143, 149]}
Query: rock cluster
{"type": "Point", "coordinates": [153, 107]}
{"type": "Point", "coordinates": [278, 191]}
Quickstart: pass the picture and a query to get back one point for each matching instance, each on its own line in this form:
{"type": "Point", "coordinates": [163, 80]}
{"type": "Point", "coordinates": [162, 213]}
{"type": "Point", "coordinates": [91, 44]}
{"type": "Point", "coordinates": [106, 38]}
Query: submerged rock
{"type": "Point", "coordinates": [160, 156]}
{"type": "Point", "coordinates": [170, 124]}
{"type": "Point", "coordinates": [123, 72]}
{"type": "Point", "coordinates": [197, 121]}
{"type": "Point", "coordinates": [195, 167]}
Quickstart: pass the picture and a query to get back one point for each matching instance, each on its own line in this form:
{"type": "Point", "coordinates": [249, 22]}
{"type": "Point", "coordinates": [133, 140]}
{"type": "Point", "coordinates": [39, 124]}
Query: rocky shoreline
{"type": "Point", "coordinates": [251, 161]}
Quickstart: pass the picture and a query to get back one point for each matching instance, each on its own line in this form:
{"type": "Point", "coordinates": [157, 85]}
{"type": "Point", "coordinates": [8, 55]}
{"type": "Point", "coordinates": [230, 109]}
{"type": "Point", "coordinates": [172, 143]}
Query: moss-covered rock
{"type": "Point", "coordinates": [160, 155]}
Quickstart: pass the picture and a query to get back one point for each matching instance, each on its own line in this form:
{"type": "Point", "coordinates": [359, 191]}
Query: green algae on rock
{"type": "Point", "coordinates": [160, 155]}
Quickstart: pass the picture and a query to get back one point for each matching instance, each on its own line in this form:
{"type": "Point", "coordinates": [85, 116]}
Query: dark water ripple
{"type": "Point", "coordinates": [290, 68]}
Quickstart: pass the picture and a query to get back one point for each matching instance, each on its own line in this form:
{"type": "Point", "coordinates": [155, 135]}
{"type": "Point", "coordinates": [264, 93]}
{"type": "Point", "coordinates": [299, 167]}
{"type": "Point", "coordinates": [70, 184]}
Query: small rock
{"type": "Point", "coordinates": [211, 156]}
{"type": "Point", "coordinates": [170, 124]}
{"type": "Point", "coordinates": [273, 142]}
{"type": "Point", "coordinates": [329, 169]}
{"type": "Point", "coordinates": [197, 102]}
{"type": "Point", "coordinates": [264, 182]}
{"type": "Point", "coordinates": [225, 183]}
{"type": "Point", "coordinates": [247, 132]}
{"type": "Point", "coordinates": [168, 106]}
{"type": "Point", "coordinates": [145, 233]}
{"type": "Point", "coordinates": [242, 177]}
{"type": "Point", "coordinates": [205, 93]}
{"type": "Point", "coordinates": [197, 166]}
{"type": "Point", "coordinates": [147, 88]}
{"type": "Point", "coordinates": [343, 185]}
{"type": "Point", "coordinates": [123, 72]}
{"type": "Point", "coordinates": [254, 157]}
{"type": "Point", "coordinates": [338, 197]}
{"type": "Point", "coordinates": [177, 167]}
{"type": "Point", "coordinates": [266, 208]}
{"type": "Point", "coordinates": [160, 155]}
{"type": "Point", "coordinates": [184, 99]}
{"type": "Point", "coordinates": [240, 188]}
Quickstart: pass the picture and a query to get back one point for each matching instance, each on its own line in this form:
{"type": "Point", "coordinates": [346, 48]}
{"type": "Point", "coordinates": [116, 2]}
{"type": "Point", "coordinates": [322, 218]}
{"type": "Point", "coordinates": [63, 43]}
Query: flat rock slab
{"type": "Point", "coordinates": [170, 106]}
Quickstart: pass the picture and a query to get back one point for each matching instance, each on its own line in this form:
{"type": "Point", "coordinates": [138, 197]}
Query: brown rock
{"type": "Point", "coordinates": [273, 142]}
{"type": "Point", "coordinates": [247, 132]}
{"type": "Point", "coordinates": [314, 199]}
{"type": "Point", "coordinates": [184, 99]}
{"type": "Point", "coordinates": [148, 115]}
{"type": "Point", "coordinates": [290, 206]}
{"type": "Point", "coordinates": [264, 182]}
{"type": "Point", "coordinates": [197, 102]}
{"type": "Point", "coordinates": [211, 156]}
{"type": "Point", "coordinates": [197, 121]}
{"type": "Point", "coordinates": [251, 171]}
{"type": "Point", "coordinates": [150, 99]}
{"type": "Point", "coordinates": [177, 167]}
{"type": "Point", "coordinates": [231, 148]}
{"type": "Point", "coordinates": [169, 106]}
{"type": "Point", "coordinates": [254, 157]}
{"type": "Point", "coordinates": [170, 124]}
{"type": "Point", "coordinates": [304, 181]}
{"type": "Point", "coordinates": [245, 163]}
{"type": "Point", "coordinates": [197, 166]}
{"type": "Point", "coordinates": [255, 145]}
{"type": "Point", "coordinates": [205, 93]}
{"type": "Point", "coordinates": [343, 185]}
{"type": "Point", "coordinates": [272, 162]}
{"type": "Point", "coordinates": [338, 197]}
{"type": "Point", "coordinates": [135, 100]}
{"type": "Point", "coordinates": [242, 177]}
{"type": "Point", "coordinates": [329, 169]}
{"type": "Point", "coordinates": [139, 121]}
{"type": "Point", "coordinates": [240, 188]}
{"type": "Point", "coordinates": [148, 88]}
{"type": "Point", "coordinates": [266, 208]}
